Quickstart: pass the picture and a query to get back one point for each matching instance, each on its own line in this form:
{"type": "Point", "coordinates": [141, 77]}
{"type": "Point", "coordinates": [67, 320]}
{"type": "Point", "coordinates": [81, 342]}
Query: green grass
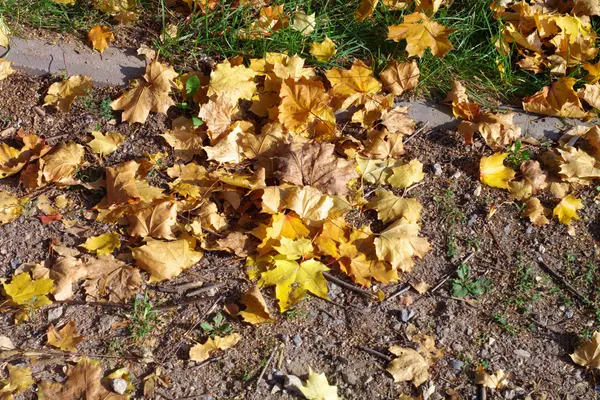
{"type": "Point", "coordinates": [144, 318]}
{"type": "Point", "coordinates": [216, 35]}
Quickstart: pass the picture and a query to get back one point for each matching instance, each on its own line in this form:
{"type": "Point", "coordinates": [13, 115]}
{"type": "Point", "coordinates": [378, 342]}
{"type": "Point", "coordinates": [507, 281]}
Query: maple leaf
{"type": "Point", "coordinates": [232, 82]}
{"type": "Point", "coordinates": [256, 311]}
{"type": "Point", "coordinates": [99, 36]}
{"type": "Point", "coordinates": [290, 68]}
{"type": "Point", "coordinates": [303, 23]}
{"type": "Point", "coordinates": [185, 139]}
{"type": "Point", "coordinates": [409, 365]}
{"type": "Point", "coordinates": [421, 33]}
{"type": "Point", "coordinates": [65, 339]}
{"type": "Point", "coordinates": [354, 85]}
{"type": "Point", "coordinates": [588, 353]}
{"type": "Point", "coordinates": [558, 100]}
{"type": "Point", "coordinates": [374, 171]}
{"type": "Point", "coordinates": [270, 20]}
{"type": "Point", "coordinates": [400, 77]}
{"type": "Point", "coordinates": [497, 130]}
{"type": "Point", "coordinates": [292, 280]}
{"type": "Point", "coordinates": [103, 244]}
{"type": "Point", "coordinates": [202, 352]}
{"type": "Point", "coordinates": [315, 164]}
{"type": "Point", "coordinates": [303, 103]}
{"type": "Point", "coordinates": [19, 380]}
{"type": "Point", "coordinates": [149, 93]}
{"type": "Point", "coordinates": [114, 6]}
{"type": "Point", "coordinates": [4, 34]}
{"type": "Point", "coordinates": [593, 71]}
{"type": "Point", "coordinates": [66, 271]}
{"type": "Point", "coordinates": [406, 175]}
{"type": "Point", "coordinates": [532, 173]}
{"type": "Point", "coordinates": [122, 187]}
{"type": "Point", "coordinates": [520, 190]}
{"type": "Point", "coordinates": [317, 387]}
{"type": "Point", "coordinates": [218, 114]}
{"type": "Point", "coordinates": [10, 207]}
{"type": "Point", "coordinates": [264, 145]}
{"type": "Point", "coordinates": [365, 9]}
{"type": "Point", "coordinates": [227, 149]}
{"type": "Point", "coordinates": [390, 207]}
{"type": "Point", "coordinates": [83, 382]}
{"type": "Point", "coordinates": [108, 276]}
{"type": "Point", "coordinates": [23, 290]}
{"type": "Point", "coordinates": [399, 243]}
{"type": "Point", "coordinates": [566, 210]}
{"type": "Point", "coordinates": [62, 162]}
{"type": "Point", "coordinates": [64, 93]}
{"type": "Point", "coordinates": [492, 171]}
{"type": "Point", "coordinates": [398, 121]}
{"type": "Point", "coordinates": [310, 204]}
{"type": "Point", "coordinates": [496, 380]}
{"type": "Point", "coordinates": [591, 95]}
{"type": "Point", "coordinates": [383, 144]}
{"type": "Point", "coordinates": [156, 221]}
{"type": "Point", "coordinates": [281, 226]}
{"type": "Point", "coordinates": [105, 144]}
{"type": "Point", "coordinates": [578, 165]}
{"type": "Point", "coordinates": [323, 51]}
{"type": "Point", "coordinates": [6, 69]}
{"type": "Point", "coordinates": [165, 260]}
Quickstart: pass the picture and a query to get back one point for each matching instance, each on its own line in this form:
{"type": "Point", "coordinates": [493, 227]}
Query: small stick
{"type": "Point", "coordinates": [481, 392]}
{"type": "Point", "coordinates": [262, 373]}
{"type": "Point", "coordinates": [34, 353]}
{"type": "Point", "coordinates": [399, 292]}
{"type": "Point", "coordinates": [205, 289]}
{"type": "Point", "coordinates": [209, 361]}
{"type": "Point", "coordinates": [496, 241]}
{"type": "Point", "coordinates": [183, 303]}
{"type": "Point", "coordinates": [348, 286]}
{"type": "Point", "coordinates": [191, 285]}
{"type": "Point", "coordinates": [374, 353]}
{"type": "Point", "coordinates": [449, 274]}
{"type": "Point", "coordinates": [421, 129]}
{"type": "Point", "coordinates": [561, 280]}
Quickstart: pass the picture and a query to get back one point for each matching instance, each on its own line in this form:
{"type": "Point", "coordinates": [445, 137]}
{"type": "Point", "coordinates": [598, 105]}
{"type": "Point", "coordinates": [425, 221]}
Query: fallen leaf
{"type": "Point", "coordinates": [105, 144]}
{"type": "Point", "coordinates": [19, 380]}
{"type": "Point", "coordinates": [421, 33]}
{"type": "Point", "coordinates": [409, 365]}
{"type": "Point", "coordinates": [5, 69]}
{"type": "Point", "coordinates": [536, 212]}
{"type": "Point", "coordinates": [321, 51]}
{"type": "Point", "coordinates": [317, 387]}
{"type": "Point", "coordinates": [202, 352]}
{"type": "Point", "coordinates": [400, 77]}
{"type": "Point", "coordinates": [406, 175]}
{"type": "Point", "coordinates": [4, 34]}
{"type": "Point", "coordinates": [532, 173]}
{"type": "Point", "coordinates": [390, 207]}
{"type": "Point", "coordinates": [23, 290]}
{"type": "Point", "coordinates": [109, 277]}
{"type": "Point", "coordinates": [165, 260]}
{"type": "Point", "coordinates": [558, 100]}
{"type": "Point", "coordinates": [495, 381]}
{"type": "Point", "coordinates": [399, 243]}
{"type": "Point", "coordinates": [60, 164]}
{"type": "Point", "coordinates": [566, 210]}
{"type": "Point", "coordinates": [100, 36]}
{"type": "Point", "coordinates": [588, 353]}
{"type": "Point", "coordinates": [232, 82]}
{"type": "Point", "coordinates": [421, 287]}
{"type": "Point", "coordinates": [593, 71]}
{"type": "Point", "coordinates": [64, 93]}
{"type": "Point", "coordinates": [591, 95]}
{"type": "Point", "coordinates": [256, 311]}
{"type": "Point", "coordinates": [578, 166]}
{"type": "Point", "coordinates": [492, 171]}
{"type": "Point", "coordinates": [156, 221]}
{"type": "Point", "coordinates": [365, 9]}
{"type": "Point", "coordinates": [185, 139]}
{"type": "Point", "coordinates": [10, 207]}
{"type": "Point", "coordinates": [149, 93]}
{"type": "Point", "coordinates": [103, 244]}
{"type": "Point", "coordinates": [315, 164]}
{"type": "Point", "coordinates": [355, 84]}
{"type": "Point", "coordinates": [303, 23]}
{"type": "Point", "coordinates": [66, 338]}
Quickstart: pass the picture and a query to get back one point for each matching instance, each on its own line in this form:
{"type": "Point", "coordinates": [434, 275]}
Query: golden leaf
{"type": "Point", "coordinates": [5, 69]}
{"type": "Point", "coordinates": [409, 365]}
{"type": "Point", "coordinates": [62, 162]}
{"type": "Point", "coordinates": [65, 339]}
{"type": "Point", "coordinates": [256, 311]}
{"type": "Point", "coordinates": [566, 210]}
{"type": "Point", "coordinates": [64, 272]}
{"type": "Point", "coordinates": [536, 212]}
{"type": "Point", "coordinates": [390, 207]}
{"type": "Point", "coordinates": [558, 100]}
{"type": "Point", "coordinates": [578, 165]}
{"type": "Point", "coordinates": [492, 171]}
{"type": "Point", "coordinates": [406, 175]}
{"type": "Point", "coordinates": [399, 243]}
{"type": "Point", "coordinates": [354, 83]}
{"type": "Point", "coordinates": [496, 380]}
{"type": "Point", "coordinates": [19, 380]}
{"type": "Point", "coordinates": [303, 23]}
{"type": "Point", "coordinates": [317, 387]}
{"type": "Point", "coordinates": [165, 260]}
{"type": "Point", "coordinates": [109, 277]}
{"type": "Point", "coordinates": [202, 352]}
{"type": "Point", "coordinates": [103, 244]}
{"type": "Point", "coordinates": [593, 71]}
{"type": "Point", "coordinates": [588, 353]}
{"type": "Point", "coordinates": [421, 33]}
{"type": "Point", "coordinates": [591, 95]}
{"type": "Point", "coordinates": [64, 93]}
{"type": "Point", "coordinates": [100, 36]}
{"type": "Point", "coordinates": [400, 77]}
{"type": "Point", "coordinates": [22, 290]}
{"type": "Point", "coordinates": [365, 9]}
{"type": "Point", "coordinates": [4, 34]}
{"type": "Point", "coordinates": [322, 51]}
{"type": "Point", "coordinates": [149, 93]}
{"type": "Point", "coordinates": [156, 221]}
{"type": "Point", "coordinates": [105, 144]}
{"type": "Point", "coordinates": [234, 83]}
{"type": "Point", "coordinates": [10, 207]}
{"type": "Point", "coordinates": [520, 190]}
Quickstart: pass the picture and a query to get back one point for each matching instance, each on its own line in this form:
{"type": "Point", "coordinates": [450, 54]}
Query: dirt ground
{"type": "Point", "coordinates": [527, 324]}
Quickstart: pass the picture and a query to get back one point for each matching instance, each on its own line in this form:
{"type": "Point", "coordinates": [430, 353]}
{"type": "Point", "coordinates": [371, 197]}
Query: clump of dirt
{"type": "Point", "coordinates": [526, 322]}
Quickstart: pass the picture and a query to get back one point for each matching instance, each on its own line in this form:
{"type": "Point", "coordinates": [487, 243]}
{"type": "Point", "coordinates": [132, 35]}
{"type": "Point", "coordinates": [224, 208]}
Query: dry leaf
{"type": "Point", "coordinates": [588, 353]}
{"type": "Point", "coordinates": [406, 175]}
{"type": "Point", "coordinates": [492, 171]}
{"type": "Point", "coordinates": [5, 69]}
{"type": "Point", "coordinates": [495, 381]}
{"type": "Point", "coordinates": [103, 244]}
{"type": "Point", "coordinates": [566, 210]}
{"type": "Point", "coordinates": [109, 277]}
{"type": "Point", "coordinates": [64, 93]}
{"type": "Point", "coordinates": [317, 387]}
{"type": "Point", "coordinates": [232, 82]}
{"type": "Point", "coordinates": [100, 37]}
{"type": "Point", "coordinates": [421, 33]}
{"type": "Point", "coordinates": [105, 144]}
{"type": "Point", "coordinates": [66, 338]}
{"type": "Point", "coordinates": [558, 100]}
{"type": "Point", "coordinates": [390, 207]}
{"type": "Point", "coordinates": [10, 207]}
{"type": "Point", "coordinates": [156, 221]}
{"type": "Point", "coordinates": [399, 243]}
{"type": "Point", "coordinates": [165, 260]}
{"type": "Point", "coordinates": [322, 51]}
{"type": "Point", "coordinates": [19, 380]}
{"type": "Point", "coordinates": [256, 311]}
{"type": "Point", "coordinates": [409, 365]}
{"type": "Point", "coordinates": [303, 23]}
{"type": "Point", "coordinates": [536, 212]}
{"type": "Point", "coordinates": [400, 77]}
{"type": "Point", "coordinates": [60, 164]}
{"type": "Point", "coordinates": [185, 139]}
{"type": "Point", "coordinates": [202, 352]}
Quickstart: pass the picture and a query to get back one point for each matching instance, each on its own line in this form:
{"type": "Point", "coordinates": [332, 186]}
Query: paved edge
{"type": "Point", "coordinates": [115, 67]}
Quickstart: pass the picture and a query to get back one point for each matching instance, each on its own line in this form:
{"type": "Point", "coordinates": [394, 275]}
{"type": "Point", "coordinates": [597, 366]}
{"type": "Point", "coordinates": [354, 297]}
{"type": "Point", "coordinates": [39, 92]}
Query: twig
{"type": "Point", "coordinates": [562, 280]}
{"type": "Point", "coordinates": [209, 361]}
{"type": "Point", "coordinates": [449, 274]}
{"type": "Point", "coordinates": [374, 353]}
{"type": "Point", "coordinates": [547, 327]}
{"type": "Point", "coordinates": [191, 285]}
{"type": "Point", "coordinates": [496, 241]}
{"type": "Point", "coordinates": [262, 373]}
{"type": "Point", "coordinates": [399, 292]}
{"type": "Point", "coordinates": [34, 353]}
{"type": "Point", "coordinates": [348, 286]}
{"type": "Point", "coordinates": [421, 129]}
{"type": "Point", "coordinates": [206, 289]}
{"type": "Point", "coordinates": [183, 303]}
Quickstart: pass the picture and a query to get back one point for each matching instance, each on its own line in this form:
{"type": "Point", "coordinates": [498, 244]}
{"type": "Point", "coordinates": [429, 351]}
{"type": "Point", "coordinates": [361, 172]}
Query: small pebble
{"type": "Point", "coordinates": [457, 365]}
{"type": "Point", "coordinates": [119, 385]}
{"type": "Point", "coordinates": [529, 230]}
{"type": "Point", "coordinates": [88, 119]}
{"type": "Point", "coordinates": [457, 347]}
{"type": "Point", "coordinates": [456, 175]}
{"type": "Point", "coordinates": [477, 191]}
{"type": "Point", "coordinates": [406, 315]}
{"type": "Point", "coordinates": [297, 340]}
{"type": "Point", "coordinates": [569, 314]}
{"type": "Point", "coordinates": [472, 220]}
{"type": "Point", "coordinates": [349, 378]}
{"type": "Point", "coordinates": [54, 313]}
{"type": "Point", "coordinates": [522, 353]}
{"type": "Point", "coordinates": [509, 394]}
{"type": "Point", "coordinates": [291, 382]}
{"type": "Point", "coordinates": [542, 249]}
{"type": "Point", "coordinates": [437, 169]}
{"type": "Point", "coordinates": [507, 229]}
{"type": "Point", "coordinates": [39, 111]}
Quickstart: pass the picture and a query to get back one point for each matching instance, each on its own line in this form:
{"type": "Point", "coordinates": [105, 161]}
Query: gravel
{"type": "Point", "coordinates": [119, 385]}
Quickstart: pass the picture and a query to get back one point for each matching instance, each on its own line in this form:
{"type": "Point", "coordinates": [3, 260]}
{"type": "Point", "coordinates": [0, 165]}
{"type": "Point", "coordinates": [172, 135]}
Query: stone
{"type": "Point", "coordinates": [437, 169]}
{"type": "Point", "coordinates": [406, 314]}
{"type": "Point", "coordinates": [350, 378]}
{"type": "Point", "coordinates": [522, 353]}
{"type": "Point", "coordinates": [297, 339]}
{"type": "Point", "coordinates": [119, 385]}
{"type": "Point", "coordinates": [39, 111]}
{"type": "Point", "coordinates": [291, 383]}
{"type": "Point", "coordinates": [457, 365]}
{"type": "Point", "coordinates": [569, 314]}
{"type": "Point", "coordinates": [55, 313]}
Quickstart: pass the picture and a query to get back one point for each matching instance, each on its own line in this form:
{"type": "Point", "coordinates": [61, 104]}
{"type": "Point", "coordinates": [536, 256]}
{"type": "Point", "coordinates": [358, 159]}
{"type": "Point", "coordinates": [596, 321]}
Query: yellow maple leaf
{"type": "Point", "coordinates": [310, 204]}
{"type": "Point", "coordinates": [4, 34]}
{"type": "Point", "coordinates": [62, 162]}
{"type": "Point", "coordinates": [5, 69]}
{"type": "Point", "coordinates": [317, 387]}
{"type": "Point", "coordinates": [232, 82]}
{"type": "Point", "coordinates": [66, 338]}
{"type": "Point", "coordinates": [100, 36]}
{"type": "Point", "coordinates": [559, 100]}
{"type": "Point", "coordinates": [375, 171]}
{"type": "Point", "coordinates": [593, 71]}
{"type": "Point", "coordinates": [107, 143]}
{"type": "Point", "coordinates": [303, 23]}
{"type": "Point", "coordinates": [156, 221]}
{"type": "Point", "coordinates": [495, 381]}
{"type": "Point", "coordinates": [185, 139]}
{"type": "Point", "coordinates": [22, 290]}
{"type": "Point", "coordinates": [355, 85]}
{"type": "Point", "coordinates": [588, 353]}
{"type": "Point", "coordinates": [165, 260]}
{"type": "Point", "coordinates": [399, 243]}
{"type": "Point", "coordinates": [202, 352]}
{"type": "Point", "coordinates": [103, 244]}
{"type": "Point", "coordinates": [406, 175]}
{"type": "Point", "coordinates": [578, 165]}
{"type": "Point", "coordinates": [11, 207]}
{"type": "Point", "coordinates": [591, 95]}
{"type": "Point", "coordinates": [256, 311]}
{"type": "Point", "coordinates": [19, 380]}
{"type": "Point", "coordinates": [115, 6]}
{"type": "Point", "coordinates": [64, 93]}
{"type": "Point", "coordinates": [390, 207]}
{"type": "Point", "coordinates": [421, 33]}
{"type": "Point", "coordinates": [409, 365]}
{"type": "Point", "coordinates": [365, 9]}
{"type": "Point", "coordinates": [400, 77]}
{"type": "Point", "coordinates": [324, 50]}
{"type": "Point", "coordinates": [492, 171]}
{"type": "Point", "coordinates": [149, 93]}
{"type": "Point", "coordinates": [294, 249]}
{"type": "Point", "coordinates": [566, 210]}
{"type": "Point", "coordinates": [292, 280]}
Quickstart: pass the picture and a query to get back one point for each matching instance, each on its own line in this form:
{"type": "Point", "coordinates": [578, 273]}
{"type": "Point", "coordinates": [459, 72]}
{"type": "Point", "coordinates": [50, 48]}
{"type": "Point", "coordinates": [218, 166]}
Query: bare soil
{"type": "Point", "coordinates": [527, 324]}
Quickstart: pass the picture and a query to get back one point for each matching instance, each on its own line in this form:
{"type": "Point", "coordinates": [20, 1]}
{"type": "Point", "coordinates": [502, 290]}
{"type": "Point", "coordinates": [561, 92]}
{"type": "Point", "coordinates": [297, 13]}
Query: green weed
{"type": "Point", "coordinates": [144, 318]}
{"type": "Point", "coordinates": [293, 314]}
{"type": "Point", "coordinates": [517, 155]}
{"type": "Point", "coordinates": [218, 326]}
{"type": "Point", "coordinates": [509, 327]}
{"type": "Point", "coordinates": [464, 285]}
